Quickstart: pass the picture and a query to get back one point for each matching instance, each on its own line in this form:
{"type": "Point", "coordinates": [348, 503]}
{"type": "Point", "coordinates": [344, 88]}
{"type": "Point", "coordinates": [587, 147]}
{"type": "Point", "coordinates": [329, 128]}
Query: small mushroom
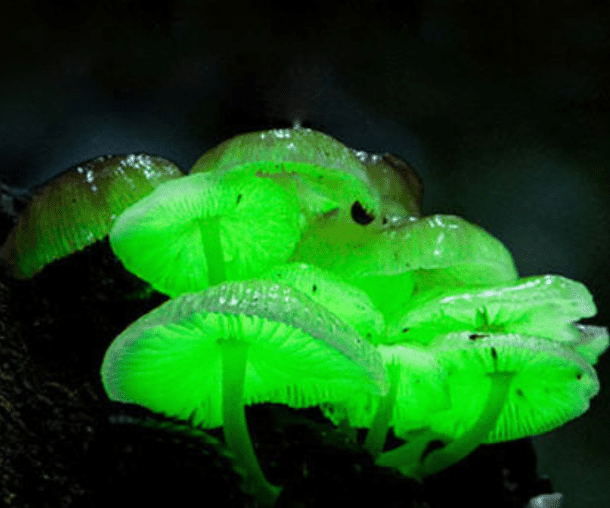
{"type": "Point", "coordinates": [203, 356]}
{"type": "Point", "coordinates": [440, 250]}
{"type": "Point", "coordinates": [543, 306]}
{"type": "Point", "coordinates": [78, 207]}
{"type": "Point", "coordinates": [417, 389]}
{"type": "Point", "coordinates": [204, 229]}
{"type": "Point", "coordinates": [502, 387]}
{"type": "Point", "coordinates": [324, 173]}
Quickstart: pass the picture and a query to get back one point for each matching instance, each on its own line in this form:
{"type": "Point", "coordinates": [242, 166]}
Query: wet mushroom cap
{"type": "Point", "coordinates": [78, 207]}
{"type": "Point", "coordinates": [438, 250]}
{"type": "Point", "coordinates": [178, 235]}
{"type": "Point", "coordinates": [298, 353]}
{"type": "Point", "coordinates": [593, 341]}
{"type": "Point", "coordinates": [324, 172]}
{"type": "Point", "coordinates": [442, 249]}
{"type": "Point", "coordinates": [543, 306]}
{"type": "Point", "coordinates": [551, 384]}
{"type": "Point", "coordinates": [395, 180]}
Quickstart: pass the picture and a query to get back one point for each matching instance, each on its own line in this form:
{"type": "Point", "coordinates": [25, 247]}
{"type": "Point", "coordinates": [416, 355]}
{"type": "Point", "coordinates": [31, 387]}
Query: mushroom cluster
{"type": "Point", "coordinates": [301, 272]}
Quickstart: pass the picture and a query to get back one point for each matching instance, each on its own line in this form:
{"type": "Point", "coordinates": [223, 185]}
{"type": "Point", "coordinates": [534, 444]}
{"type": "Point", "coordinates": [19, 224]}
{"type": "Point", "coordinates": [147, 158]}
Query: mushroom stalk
{"type": "Point", "coordinates": [212, 250]}
{"type": "Point", "coordinates": [473, 437]}
{"type": "Point", "coordinates": [406, 455]}
{"type": "Point", "coordinates": [377, 434]}
{"type": "Point", "coordinates": [234, 356]}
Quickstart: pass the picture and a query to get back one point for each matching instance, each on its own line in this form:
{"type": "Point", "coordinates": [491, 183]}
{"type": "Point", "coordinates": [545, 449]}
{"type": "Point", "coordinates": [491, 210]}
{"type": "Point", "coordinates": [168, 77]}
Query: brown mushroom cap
{"type": "Point", "coordinates": [395, 180]}
{"type": "Point", "coordinates": [78, 207]}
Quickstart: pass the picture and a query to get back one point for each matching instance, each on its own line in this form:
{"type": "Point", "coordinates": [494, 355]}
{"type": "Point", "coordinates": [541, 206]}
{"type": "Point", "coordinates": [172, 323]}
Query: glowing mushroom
{"type": "Point", "coordinates": [417, 389]}
{"type": "Point", "coordinates": [502, 387]}
{"type": "Point", "coordinates": [78, 207]}
{"type": "Point", "coordinates": [440, 250]}
{"type": "Point", "coordinates": [544, 306]}
{"type": "Point", "coordinates": [324, 174]}
{"type": "Point", "coordinates": [204, 229]}
{"type": "Point", "coordinates": [203, 356]}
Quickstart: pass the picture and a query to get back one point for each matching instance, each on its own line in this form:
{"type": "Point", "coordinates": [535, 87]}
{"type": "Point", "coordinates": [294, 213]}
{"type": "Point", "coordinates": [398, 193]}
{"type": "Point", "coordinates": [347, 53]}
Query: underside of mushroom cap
{"type": "Point", "coordinates": [298, 353]}
{"type": "Point", "coordinates": [181, 235]}
{"type": "Point", "coordinates": [326, 174]}
{"type": "Point", "coordinates": [78, 207]}
{"type": "Point", "coordinates": [543, 306]}
{"type": "Point", "coordinates": [551, 384]}
{"type": "Point", "coordinates": [421, 391]}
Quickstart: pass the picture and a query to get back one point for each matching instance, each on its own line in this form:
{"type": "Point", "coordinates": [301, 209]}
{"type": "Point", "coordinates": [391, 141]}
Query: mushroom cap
{"type": "Point", "coordinates": [395, 180]}
{"type": "Point", "coordinates": [593, 341]}
{"type": "Point", "coordinates": [77, 208]}
{"type": "Point", "coordinates": [440, 250]}
{"type": "Point", "coordinates": [552, 384]}
{"type": "Point", "coordinates": [163, 238]}
{"type": "Point", "coordinates": [299, 354]}
{"type": "Point", "coordinates": [443, 249]}
{"type": "Point", "coordinates": [422, 391]}
{"type": "Point", "coordinates": [325, 173]}
{"type": "Point", "coordinates": [543, 306]}
{"type": "Point", "coordinates": [346, 301]}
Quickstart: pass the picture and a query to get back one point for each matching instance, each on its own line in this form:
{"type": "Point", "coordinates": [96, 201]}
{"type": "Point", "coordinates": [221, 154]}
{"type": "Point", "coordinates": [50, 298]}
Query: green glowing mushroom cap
{"type": "Point", "coordinates": [346, 301]}
{"type": "Point", "coordinates": [298, 353]}
{"type": "Point", "coordinates": [325, 173]}
{"type": "Point", "coordinates": [440, 250]}
{"type": "Point", "coordinates": [78, 207]}
{"type": "Point", "coordinates": [593, 341]}
{"type": "Point", "coordinates": [544, 306]}
{"type": "Point", "coordinates": [204, 229]}
{"type": "Point", "coordinates": [551, 384]}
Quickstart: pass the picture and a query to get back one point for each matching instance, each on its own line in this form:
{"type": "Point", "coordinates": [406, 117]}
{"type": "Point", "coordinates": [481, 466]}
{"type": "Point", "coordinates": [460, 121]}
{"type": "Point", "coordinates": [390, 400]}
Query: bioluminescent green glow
{"type": "Point", "coordinates": [301, 272]}
{"type": "Point", "coordinates": [77, 208]}
{"type": "Point", "coordinates": [204, 229]}
{"type": "Point", "coordinates": [203, 356]}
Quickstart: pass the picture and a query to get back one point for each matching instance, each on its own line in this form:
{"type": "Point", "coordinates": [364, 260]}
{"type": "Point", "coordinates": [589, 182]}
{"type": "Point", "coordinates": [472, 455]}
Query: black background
{"type": "Point", "coordinates": [502, 107]}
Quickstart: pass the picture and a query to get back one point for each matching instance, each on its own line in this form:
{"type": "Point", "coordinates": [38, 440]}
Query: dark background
{"type": "Point", "coordinates": [502, 107]}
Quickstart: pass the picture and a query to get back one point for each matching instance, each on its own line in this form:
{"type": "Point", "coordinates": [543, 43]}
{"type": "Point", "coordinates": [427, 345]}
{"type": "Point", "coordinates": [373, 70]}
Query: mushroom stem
{"type": "Point", "coordinates": [473, 437]}
{"type": "Point", "coordinates": [234, 356]}
{"type": "Point", "coordinates": [377, 434]}
{"type": "Point", "coordinates": [212, 250]}
{"type": "Point", "coordinates": [412, 456]}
